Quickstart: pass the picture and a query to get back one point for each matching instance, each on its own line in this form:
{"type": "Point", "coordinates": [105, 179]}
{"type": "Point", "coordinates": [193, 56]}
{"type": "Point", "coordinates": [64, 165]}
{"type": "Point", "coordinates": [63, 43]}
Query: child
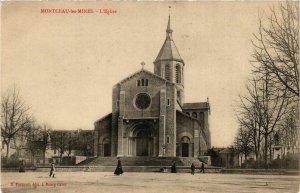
{"type": "Point", "coordinates": [52, 171]}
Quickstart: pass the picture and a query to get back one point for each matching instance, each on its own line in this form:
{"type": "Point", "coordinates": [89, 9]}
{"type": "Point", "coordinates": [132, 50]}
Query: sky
{"type": "Point", "coordinates": [65, 65]}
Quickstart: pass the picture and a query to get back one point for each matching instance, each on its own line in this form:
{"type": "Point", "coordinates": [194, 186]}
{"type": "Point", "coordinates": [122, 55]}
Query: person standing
{"type": "Point", "coordinates": [173, 168]}
{"type": "Point", "coordinates": [192, 169]}
{"type": "Point", "coordinates": [118, 170]}
{"type": "Point", "coordinates": [21, 168]}
{"type": "Point", "coordinates": [52, 171]}
{"type": "Point", "coordinates": [202, 168]}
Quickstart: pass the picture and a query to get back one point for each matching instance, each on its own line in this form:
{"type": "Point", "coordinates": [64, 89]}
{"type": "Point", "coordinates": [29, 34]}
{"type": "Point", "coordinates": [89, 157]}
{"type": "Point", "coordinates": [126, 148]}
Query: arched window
{"type": "Point", "coordinates": [178, 73]}
{"type": "Point", "coordinates": [194, 115]}
{"type": "Point", "coordinates": [185, 139]}
{"type": "Point", "coordinates": [146, 82]}
{"type": "Point", "coordinates": [167, 72]}
{"type": "Point", "coordinates": [142, 82]}
{"type": "Point", "coordinates": [168, 139]}
{"type": "Point", "coordinates": [106, 140]}
{"type": "Point", "coordinates": [138, 83]}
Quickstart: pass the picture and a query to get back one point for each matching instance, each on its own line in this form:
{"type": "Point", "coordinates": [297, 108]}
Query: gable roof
{"type": "Point", "coordinates": [146, 72]}
{"type": "Point", "coordinates": [200, 105]}
{"type": "Point", "coordinates": [102, 118]}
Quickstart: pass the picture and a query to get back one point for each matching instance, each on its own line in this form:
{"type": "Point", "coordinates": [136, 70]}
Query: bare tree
{"type": "Point", "coordinates": [277, 46]}
{"type": "Point", "coordinates": [85, 142]}
{"type": "Point", "coordinates": [15, 117]}
{"type": "Point", "coordinates": [60, 142]}
{"type": "Point", "coordinates": [274, 86]}
{"type": "Point", "coordinates": [262, 109]}
{"type": "Point", "coordinates": [274, 104]}
{"type": "Point", "coordinates": [289, 131]}
{"type": "Point", "coordinates": [249, 115]}
{"type": "Point", "coordinates": [39, 139]}
{"type": "Point", "coordinates": [243, 141]}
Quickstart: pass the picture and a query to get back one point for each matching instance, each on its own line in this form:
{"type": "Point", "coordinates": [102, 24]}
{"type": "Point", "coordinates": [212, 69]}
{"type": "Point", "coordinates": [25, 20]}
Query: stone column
{"type": "Point", "coordinates": [120, 123]}
{"type": "Point", "coordinates": [162, 124]}
{"type": "Point", "coordinates": [196, 143]}
{"type": "Point", "coordinates": [120, 137]}
{"type": "Point", "coordinates": [162, 134]}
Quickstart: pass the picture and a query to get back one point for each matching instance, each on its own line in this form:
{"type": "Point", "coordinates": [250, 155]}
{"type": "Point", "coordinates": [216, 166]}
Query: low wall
{"type": "Point", "coordinates": [180, 169]}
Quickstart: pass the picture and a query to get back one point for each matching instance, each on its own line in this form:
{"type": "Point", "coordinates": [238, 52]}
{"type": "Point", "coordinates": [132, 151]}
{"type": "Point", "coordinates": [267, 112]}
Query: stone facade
{"type": "Point", "coordinates": [149, 116]}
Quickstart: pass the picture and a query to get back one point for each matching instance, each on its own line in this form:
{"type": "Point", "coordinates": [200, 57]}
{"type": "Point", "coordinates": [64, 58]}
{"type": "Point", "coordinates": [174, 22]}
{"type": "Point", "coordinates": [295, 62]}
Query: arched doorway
{"type": "Point", "coordinates": [141, 141]}
{"type": "Point", "coordinates": [185, 141]}
{"type": "Point", "coordinates": [106, 147]}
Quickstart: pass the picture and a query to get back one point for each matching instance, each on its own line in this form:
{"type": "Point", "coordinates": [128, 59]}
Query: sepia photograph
{"type": "Point", "coordinates": [150, 96]}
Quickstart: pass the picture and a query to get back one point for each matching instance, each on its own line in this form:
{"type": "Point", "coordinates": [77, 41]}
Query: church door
{"type": "Point", "coordinates": [142, 147]}
{"type": "Point", "coordinates": [185, 150]}
{"type": "Point", "coordinates": [106, 150]}
{"type": "Point", "coordinates": [142, 141]}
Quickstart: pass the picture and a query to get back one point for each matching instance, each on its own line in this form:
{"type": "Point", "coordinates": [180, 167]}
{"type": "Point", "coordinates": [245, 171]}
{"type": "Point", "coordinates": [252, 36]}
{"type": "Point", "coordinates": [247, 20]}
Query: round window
{"type": "Point", "coordinates": [142, 101]}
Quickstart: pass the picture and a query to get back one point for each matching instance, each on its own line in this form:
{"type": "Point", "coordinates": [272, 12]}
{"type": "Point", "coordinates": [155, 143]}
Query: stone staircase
{"type": "Point", "coordinates": [140, 161]}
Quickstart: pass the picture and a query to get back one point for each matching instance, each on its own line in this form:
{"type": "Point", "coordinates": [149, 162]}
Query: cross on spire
{"type": "Point", "coordinates": [143, 64]}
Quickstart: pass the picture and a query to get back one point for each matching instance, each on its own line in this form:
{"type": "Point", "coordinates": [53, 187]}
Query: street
{"type": "Point", "coordinates": [146, 182]}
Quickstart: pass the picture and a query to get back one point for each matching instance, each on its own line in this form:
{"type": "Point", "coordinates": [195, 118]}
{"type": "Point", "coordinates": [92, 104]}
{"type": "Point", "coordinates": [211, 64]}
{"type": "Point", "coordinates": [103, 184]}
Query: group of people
{"type": "Point", "coordinates": [119, 170]}
{"type": "Point", "coordinates": [193, 167]}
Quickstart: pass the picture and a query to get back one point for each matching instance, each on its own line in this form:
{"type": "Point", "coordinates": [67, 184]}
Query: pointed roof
{"type": "Point", "coordinates": [169, 50]}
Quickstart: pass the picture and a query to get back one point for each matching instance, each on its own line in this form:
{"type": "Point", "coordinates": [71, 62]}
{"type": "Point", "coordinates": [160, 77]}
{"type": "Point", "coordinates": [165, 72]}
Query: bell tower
{"type": "Point", "coordinates": [169, 64]}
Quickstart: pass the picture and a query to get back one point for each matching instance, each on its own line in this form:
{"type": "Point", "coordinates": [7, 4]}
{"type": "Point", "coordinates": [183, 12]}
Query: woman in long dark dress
{"type": "Point", "coordinates": [21, 168]}
{"type": "Point", "coordinates": [118, 170]}
{"type": "Point", "coordinates": [173, 168]}
{"type": "Point", "coordinates": [193, 169]}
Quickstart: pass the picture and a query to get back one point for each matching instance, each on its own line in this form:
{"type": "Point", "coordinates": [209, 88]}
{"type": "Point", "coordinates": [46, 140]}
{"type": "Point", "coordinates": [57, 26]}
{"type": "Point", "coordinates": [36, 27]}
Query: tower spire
{"type": "Point", "coordinates": [169, 30]}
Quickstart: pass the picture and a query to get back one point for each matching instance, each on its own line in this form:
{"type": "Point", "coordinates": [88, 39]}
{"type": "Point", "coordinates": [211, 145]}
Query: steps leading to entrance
{"type": "Point", "coordinates": [141, 161]}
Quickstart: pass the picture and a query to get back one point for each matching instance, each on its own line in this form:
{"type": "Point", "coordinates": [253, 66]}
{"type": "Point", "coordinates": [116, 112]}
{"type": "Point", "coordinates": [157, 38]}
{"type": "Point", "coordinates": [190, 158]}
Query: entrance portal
{"type": "Point", "coordinates": [185, 150]}
{"type": "Point", "coordinates": [185, 143]}
{"type": "Point", "coordinates": [142, 141]}
{"type": "Point", "coordinates": [106, 150]}
{"type": "Point", "coordinates": [142, 147]}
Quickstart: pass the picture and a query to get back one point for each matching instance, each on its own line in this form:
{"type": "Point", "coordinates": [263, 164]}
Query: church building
{"type": "Point", "coordinates": [149, 114]}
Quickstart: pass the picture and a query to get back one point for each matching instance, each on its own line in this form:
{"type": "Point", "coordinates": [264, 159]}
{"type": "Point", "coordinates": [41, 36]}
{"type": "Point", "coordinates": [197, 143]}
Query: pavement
{"type": "Point", "coordinates": [78, 182]}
